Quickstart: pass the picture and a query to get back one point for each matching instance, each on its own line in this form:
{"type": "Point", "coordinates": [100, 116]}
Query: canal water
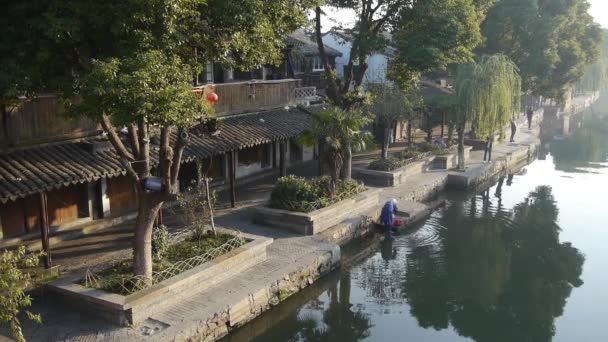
{"type": "Point", "coordinates": [525, 259]}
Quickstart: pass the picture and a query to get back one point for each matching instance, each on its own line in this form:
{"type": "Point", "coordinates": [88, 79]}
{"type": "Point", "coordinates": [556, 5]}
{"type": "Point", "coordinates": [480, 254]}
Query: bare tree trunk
{"type": "Point", "coordinates": [461, 161]}
{"type": "Point", "coordinates": [450, 133]}
{"type": "Point", "coordinates": [347, 163]}
{"type": "Point", "coordinates": [149, 205]}
{"type": "Point", "coordinates": [386, 142]}
{"type": "Point", "coordinates": [210, 205]}
{"type": "Point", "coordinates": [409, 133]}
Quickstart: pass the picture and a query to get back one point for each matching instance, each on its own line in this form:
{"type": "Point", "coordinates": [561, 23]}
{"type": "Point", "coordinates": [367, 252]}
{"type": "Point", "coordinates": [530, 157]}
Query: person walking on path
{"type": "Point", "coordinates": [530, 113]}
{"type": "Point", "coordinates": [513, 129]}
{"type": "Point", "coordinates": [488, 151]}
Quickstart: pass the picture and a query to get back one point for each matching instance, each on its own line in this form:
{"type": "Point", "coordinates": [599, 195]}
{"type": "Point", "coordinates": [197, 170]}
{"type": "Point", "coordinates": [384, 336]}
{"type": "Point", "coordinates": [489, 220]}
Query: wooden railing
{"type": "Point", "coordinates": [251, 96]}
{"type": "Point", "coordinates": [39, 120]}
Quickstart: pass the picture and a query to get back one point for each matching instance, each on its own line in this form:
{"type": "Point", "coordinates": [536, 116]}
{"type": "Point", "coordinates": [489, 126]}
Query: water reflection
{"type": "Point", "coordinates": [502, 275]}
{"type": "Point", "coordinates": [586, 150]}
{"type": "Point", "coordinates": [489, 266]}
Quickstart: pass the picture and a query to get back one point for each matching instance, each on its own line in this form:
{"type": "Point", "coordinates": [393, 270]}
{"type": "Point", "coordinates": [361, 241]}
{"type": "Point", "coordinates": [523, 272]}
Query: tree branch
{"type": "Point", "coordinates": [332, 87]}
{"type": "Point", "coordinates": [180, 144]}
{"type": "Point", "coordinates": [120, 148]}
{"type": "Point", "coordinates": [144, 147]}
{"type": "Point", "coordinates": [165, 158]}
{"type": "Point", "coordinates": [134, 141]}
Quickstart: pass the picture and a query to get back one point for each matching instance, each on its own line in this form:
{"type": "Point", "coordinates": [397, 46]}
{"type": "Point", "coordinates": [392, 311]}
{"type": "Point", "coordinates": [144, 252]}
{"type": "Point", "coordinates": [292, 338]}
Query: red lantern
{"type": "Point", "coordinates": [212, 97]}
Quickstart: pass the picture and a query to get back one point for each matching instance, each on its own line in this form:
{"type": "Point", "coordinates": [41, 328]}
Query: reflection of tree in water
{"type": "Point", "coordinates": [502, 275]}
{"type": "Point", "coordinates": [381, 275]}
{"type": "Point", "coordinates": [336, 320]}
{"type": "Point", "coordinates": [340, 322]}
{"type": "Point", "coordinates": [588, 144]}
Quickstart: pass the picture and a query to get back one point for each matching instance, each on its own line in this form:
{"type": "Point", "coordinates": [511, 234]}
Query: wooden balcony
{"type": "Point", "coordinates": [39, 120]}
{"type": "Point", "coordinates": [251, 96]}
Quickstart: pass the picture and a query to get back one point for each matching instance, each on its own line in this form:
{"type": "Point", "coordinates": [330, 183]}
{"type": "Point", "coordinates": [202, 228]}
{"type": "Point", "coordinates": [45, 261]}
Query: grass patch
{"type": "Point", "coordinates": [119, 277]}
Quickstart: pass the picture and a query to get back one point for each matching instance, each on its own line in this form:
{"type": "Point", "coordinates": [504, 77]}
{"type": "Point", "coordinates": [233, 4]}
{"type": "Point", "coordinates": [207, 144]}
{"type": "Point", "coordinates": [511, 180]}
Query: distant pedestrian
{"type": "Point", "coordinates": [488, 151]}
{"type": "Point", "coordinates": [529, 114]}
{"type": "Point", "coordinates": [513, 129]}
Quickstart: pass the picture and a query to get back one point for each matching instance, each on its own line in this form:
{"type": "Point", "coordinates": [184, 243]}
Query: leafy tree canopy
{"type": "Point", "coordinates": [48, 44]}
{"type": "Point", "coordinates": [433, 34]}
{"type": "Point", "coordinates": [552, 42]}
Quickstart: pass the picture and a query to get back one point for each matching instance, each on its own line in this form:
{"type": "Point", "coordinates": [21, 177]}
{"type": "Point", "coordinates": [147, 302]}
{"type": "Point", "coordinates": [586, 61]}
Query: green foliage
{"type": "Point", "coordinates": [49, 45]}
{"type": "Point", "coordinates": [195, 246]}
{"type": "Point", "coordinates": [552, 42]}
{"type": "Point", "coordinates": [160, 242]}
{"type": "Point", "coordinates": [193, 210]}
{"type": "Point", "coordinates": [402, 159]}
{"type": "Point", "coordinates": [13, 282]}
{"type": "Point", "coordinates": [596, 76]}
{"type": "Point", "coordinates": [390, 104]}
{"type": "Point", "coordinates": [488, 93]}
{"type": "Point", "coordinates": [434, 34]}
{"type": "Point", "coordinates": [119, 279]}
{"type": "Point", "coordinates": [389, 164]}
{"type": "Point", "coordinates": [151, 86]}
{"type": "Point", "coordinates": [339, 130]}
{"type": "Point", "coordinates": [301, 195]}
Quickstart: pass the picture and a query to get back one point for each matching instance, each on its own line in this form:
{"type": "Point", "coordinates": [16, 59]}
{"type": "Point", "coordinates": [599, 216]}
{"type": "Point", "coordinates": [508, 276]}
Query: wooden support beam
{"type": "Point", "coordinates": [282, 161]}
{"type": "Point", "coordinates": [44, 230]}
{"type": "Point", "coordinates": [274, 155]}
{"type": "Point", "coordinates": [232, 179]}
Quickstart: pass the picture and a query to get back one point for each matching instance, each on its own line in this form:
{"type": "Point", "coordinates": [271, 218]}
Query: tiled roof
{"type": "Point", "coordinates": [42, 168]}
{"type": "Point", "coordinates": [28, 171]}
{"type": "Point", "coordinates": [305, 45]}
{"type": "Point", "coordinates": [249, 130]}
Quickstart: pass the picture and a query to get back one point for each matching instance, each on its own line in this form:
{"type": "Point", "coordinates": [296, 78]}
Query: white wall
{"type": "Point", "coordinates": [341, 45]}
{"type": "Point", "coordinates": [376, 69]}
{"type": "Point", "coordinates": [377, 63]}
{"type": "Point", "coordinates": [254, 168]}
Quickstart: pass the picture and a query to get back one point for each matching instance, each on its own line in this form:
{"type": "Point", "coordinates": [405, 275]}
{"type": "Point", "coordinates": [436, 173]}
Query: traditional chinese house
{"type": "Point", "coordinates": [63, 174]}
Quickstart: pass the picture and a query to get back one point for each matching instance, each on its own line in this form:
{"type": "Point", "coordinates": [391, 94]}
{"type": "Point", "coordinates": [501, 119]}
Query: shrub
{"type": "Point", "coordinates": [13, 282]}
{"type": "Point", "coordinates": [389, 164]}
{"type": "Point", "coordinates": [298, 194]}
{"type": "Point", "coordinates": [160, 242]}
{"type": "Point", "coordinates": [193, 209]}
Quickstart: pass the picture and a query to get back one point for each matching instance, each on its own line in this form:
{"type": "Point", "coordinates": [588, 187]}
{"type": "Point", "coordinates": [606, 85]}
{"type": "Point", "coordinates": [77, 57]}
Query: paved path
{"type": "Point", "coordinates": [287, 253]}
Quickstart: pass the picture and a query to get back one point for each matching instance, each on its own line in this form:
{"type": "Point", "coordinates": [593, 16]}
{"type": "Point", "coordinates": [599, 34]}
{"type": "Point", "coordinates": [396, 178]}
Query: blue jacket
{"type": "Point", "coordinates": [388, 211]}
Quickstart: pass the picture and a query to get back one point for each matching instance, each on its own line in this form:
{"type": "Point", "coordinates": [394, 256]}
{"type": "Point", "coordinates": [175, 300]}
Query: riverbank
{"type": "Point", "coordinates": [294, 262]}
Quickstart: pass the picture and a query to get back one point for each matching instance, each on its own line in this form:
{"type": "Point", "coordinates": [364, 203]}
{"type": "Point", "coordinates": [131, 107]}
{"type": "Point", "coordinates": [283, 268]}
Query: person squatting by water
{"type": "Point", "coordinates": [513, 129]}
{"type": "Point", "coordinates": [488, 150]}
{"type": "Point", "coordinates": [388, 214]}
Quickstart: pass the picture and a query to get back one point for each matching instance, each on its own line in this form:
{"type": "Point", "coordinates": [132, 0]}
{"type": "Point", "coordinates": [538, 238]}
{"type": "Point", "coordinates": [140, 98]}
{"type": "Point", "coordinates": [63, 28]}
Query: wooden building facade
{"type": "Point", "coordinates": [63, 173]}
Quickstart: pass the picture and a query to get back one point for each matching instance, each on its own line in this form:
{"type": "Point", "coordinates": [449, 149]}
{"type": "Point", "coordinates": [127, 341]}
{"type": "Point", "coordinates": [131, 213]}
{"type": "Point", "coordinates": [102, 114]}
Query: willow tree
{"type": "Point", "coordinates": [487, 93]}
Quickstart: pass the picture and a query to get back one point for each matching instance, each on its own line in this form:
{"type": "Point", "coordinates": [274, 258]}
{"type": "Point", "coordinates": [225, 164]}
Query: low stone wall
{"type": "Point", "coordinates": [243, 310]}
{"type": "Point", "coordinates": [318, 220]}
{"type": "Point", "coordinates": [135, 308]}
{"type": "Point", "coordinates": [390, 178]}
{"type": "Point", "coordinates": [448, 161]}
{"type": "Point", "coordinates": [473, 177]}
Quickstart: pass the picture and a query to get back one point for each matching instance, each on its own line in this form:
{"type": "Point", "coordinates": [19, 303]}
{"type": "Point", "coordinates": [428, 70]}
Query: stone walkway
{"type": "Point", "coordinates": [238, 299]}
